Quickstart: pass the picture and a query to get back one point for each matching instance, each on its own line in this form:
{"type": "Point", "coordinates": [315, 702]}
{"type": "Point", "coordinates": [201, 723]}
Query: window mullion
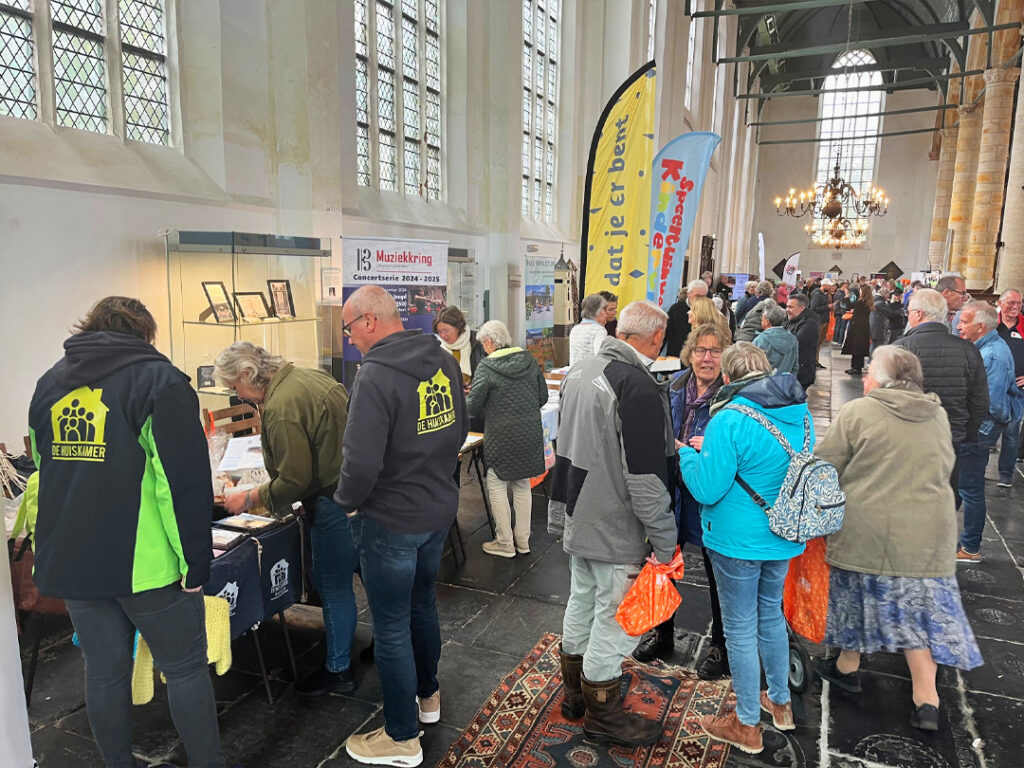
{"type": "Point", "coordinates": [371, 93]}
{"type": "Point", "coordinates": [115, 72]}
{"type": "Point", "coordinates": [42, 29]}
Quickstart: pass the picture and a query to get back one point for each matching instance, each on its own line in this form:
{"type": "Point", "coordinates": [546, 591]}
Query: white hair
{"type": "Point", "coordinates": [496, 332]}
{"type": "Point", "coordinates": [698, 287]}
{"type": "Point", "coordinates": [244, 361]}
{"type": "Point", "coordinates": [1006, 294]}
{"type": "Point", "coordinates": [641, 318]}
{"type": "Point", "coordinates": [742, 359]}
{"type": "Point", "coordinates": [896, 368]}
{"type": "Point", "coordinates": [591, 305]}
{"type": "Point", "coordinates": [983, 313]}
{"type": "Point", "coordinates": [376, 301]}
{"type": "Point", "coordinates": [931, 303]}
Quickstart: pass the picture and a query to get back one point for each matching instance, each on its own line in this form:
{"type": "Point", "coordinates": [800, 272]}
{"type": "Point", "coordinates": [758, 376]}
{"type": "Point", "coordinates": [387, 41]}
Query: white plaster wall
{"type": "Point", "coordinates": [902, 169]}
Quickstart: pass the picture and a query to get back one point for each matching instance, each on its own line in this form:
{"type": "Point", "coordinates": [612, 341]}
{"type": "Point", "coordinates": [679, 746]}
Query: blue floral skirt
{"type": "Point", "coordinates": [869, 613]}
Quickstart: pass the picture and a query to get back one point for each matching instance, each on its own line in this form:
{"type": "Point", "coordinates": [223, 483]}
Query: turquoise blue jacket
{"type": "Point", "coordinates": [733, 525]}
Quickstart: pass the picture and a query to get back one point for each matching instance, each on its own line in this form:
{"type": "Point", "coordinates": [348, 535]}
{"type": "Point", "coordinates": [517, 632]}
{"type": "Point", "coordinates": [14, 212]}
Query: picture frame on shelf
{"type": "Point", "coordinates": [281, 298]}
{"type": "Point", "coordinates": [252, 305]}
{"type": "Point", "coordinates": [217, 294]}
{"type": "Point", "coordinates": [204, 377]}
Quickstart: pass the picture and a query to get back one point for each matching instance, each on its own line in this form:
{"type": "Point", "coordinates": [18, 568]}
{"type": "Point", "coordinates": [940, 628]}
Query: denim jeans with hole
{"type": "Point", "coordinates": [750, 592]}
{"type": "Point", "coordinates": [398, 572]}
{"type": "Point", "coordinates": [973, 461]}
{"type": "Point", "coordinates": [174, 625]}
{"type": "Point", "coordinates": [334, 563]}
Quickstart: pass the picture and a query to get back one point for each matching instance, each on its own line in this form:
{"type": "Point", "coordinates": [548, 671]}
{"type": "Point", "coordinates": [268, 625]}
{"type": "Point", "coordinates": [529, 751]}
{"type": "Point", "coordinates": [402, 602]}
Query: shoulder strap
{"type": "Point", "coordinates": [761, 419]}
{"type": "Point", "coordinates": [807, 433]}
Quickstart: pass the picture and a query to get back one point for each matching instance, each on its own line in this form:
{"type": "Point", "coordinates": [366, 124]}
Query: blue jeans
{"type": "Point", "coordinates": [398, 571]}
{"type": "Point", "coordinates": [174, 625]}
{"type": "Point", "coordinates": [973, 460]}
{"type": "Point", "coordinates": [334, 563]}
{"type": "Point", "coordinates": [840, 330]}
{"type": "Point", "coordinates": [1008, 450]}
{"type": "Point", "coordinates": [750, 592]}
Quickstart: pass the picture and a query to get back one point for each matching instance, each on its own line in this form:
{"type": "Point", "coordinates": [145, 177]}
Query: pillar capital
{"type": "Point", "coordinates": [999, 75]}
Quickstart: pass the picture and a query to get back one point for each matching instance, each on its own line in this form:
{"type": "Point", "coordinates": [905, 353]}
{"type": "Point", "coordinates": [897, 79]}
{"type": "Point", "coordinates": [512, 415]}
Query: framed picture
{"type": "Point", "coordinates": [252, 305]}
{"type": "Point", "coordinates": [217, 295]}
{"type": "Point", "coordinates": [205, 377]}
{"type": "Point", "coordinates": [281, 298]}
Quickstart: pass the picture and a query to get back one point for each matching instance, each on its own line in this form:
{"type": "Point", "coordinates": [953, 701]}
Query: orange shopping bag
{"type": "Point", "coordinates": [652, 598]}
{"type": "Point", "coordinates": [805, 594]}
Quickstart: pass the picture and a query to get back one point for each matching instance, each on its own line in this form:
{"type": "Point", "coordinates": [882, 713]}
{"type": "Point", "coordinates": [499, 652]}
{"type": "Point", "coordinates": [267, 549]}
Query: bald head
{"type": "Point", "coordinates": [369, 315]}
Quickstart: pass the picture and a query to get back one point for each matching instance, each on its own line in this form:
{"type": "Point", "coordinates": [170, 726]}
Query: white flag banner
{"type": "Point", "coordinates": [760, 255]}
{"type": "Point", "coordinates": [791, 269]}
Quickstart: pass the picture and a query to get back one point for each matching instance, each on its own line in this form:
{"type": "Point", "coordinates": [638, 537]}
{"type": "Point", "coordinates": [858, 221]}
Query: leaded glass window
{"type": "Point", "coordinates": [17, 60]}
{"type": "Point", "coordinates": [398, 58]}
{"type": "Point", "coordinates": [79, 66]}
{"type": "Point", "coordinates": [541, 31]}
{"type": "Point", "coordinates": [144, 69]}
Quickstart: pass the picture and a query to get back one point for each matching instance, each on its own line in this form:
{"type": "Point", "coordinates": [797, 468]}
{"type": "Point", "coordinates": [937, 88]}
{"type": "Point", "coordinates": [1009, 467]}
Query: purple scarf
{"type": "Point", "coordinates": [693, 404]}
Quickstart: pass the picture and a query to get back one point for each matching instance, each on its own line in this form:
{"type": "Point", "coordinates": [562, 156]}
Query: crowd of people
{"type": "Point", "coordinates": [642, 466]}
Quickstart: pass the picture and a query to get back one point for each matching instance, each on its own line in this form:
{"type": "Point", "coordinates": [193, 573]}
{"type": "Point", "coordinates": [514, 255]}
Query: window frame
{"type": "Point", "coordinates": [26, 15]}
{"type": "Point", "coordinates": [539, 98]}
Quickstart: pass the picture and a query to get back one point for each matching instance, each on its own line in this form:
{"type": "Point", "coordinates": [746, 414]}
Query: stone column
{"type": "Point", "coordinates": [990, 186]}
{"type": "Point", "coordinates": [1011, 262]}
{"type": "Point", "coordinates": [965, 173]}
{"type": "Point", "coordinates": [943, 196]}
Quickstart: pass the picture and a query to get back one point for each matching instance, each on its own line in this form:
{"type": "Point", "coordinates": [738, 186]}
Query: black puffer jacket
{"type": "Point", "coordinates": [953, 369]}
{"type": "Point", "coordinates": [821, 305]}
{"type": "Point", "coordinates": [805, 328]}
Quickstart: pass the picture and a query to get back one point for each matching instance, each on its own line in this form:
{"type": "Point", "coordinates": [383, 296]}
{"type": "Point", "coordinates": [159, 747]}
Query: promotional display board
{"type": "Point", "coordinates": [414, 272]}
{"type": "Point", "coordinates": [737, 282]}
{"type": "Point", "coordinates": [617, 197]}
{"type": "Point", "coordinates": [539, 281]}
{"type": "Point", "coordinates": [676, 184]}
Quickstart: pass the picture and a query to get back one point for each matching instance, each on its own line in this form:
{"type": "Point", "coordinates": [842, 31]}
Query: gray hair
{"type": "Point", "coordinates": [949, 283]}
{"type": "Point", "coordinates": [743, 359]}
{"type": "Point", "coordinates": [896, 368]}
{"type": "Point", "coordinates": [698, 287]}
{"type": "Point", "coordinates": [931, 303]}
{"type": "Point", "coordinates": [641, 318]}
{"type": "Point", "coordinates": [496, 332]}
{"type": "Point", "coordinates": [591, 305]}
{"type": "Point", "coordinates": [765, 288]}
{"type": "Point", "coordinates": [776, 315]}
{"type": "Point", "coordinates": [983, 313]}
{"type": "Point", "coordinates": [376, 301]}
{"type": "Point", "coordinates": [1006, 294]}
{"type": "Point", "coordinates": [243, 360]}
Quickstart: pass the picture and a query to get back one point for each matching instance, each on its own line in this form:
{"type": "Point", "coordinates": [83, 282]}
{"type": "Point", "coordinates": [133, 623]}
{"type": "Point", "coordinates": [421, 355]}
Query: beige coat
{"type": "Point", "coordinates": [894, 453]}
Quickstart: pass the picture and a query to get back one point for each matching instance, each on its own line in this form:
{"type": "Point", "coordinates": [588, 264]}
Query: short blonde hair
{"type": "Point", "coordinates": [243, 360]}
{"type": "Point", "coordinates": [704, 311]}
{"type": "Point", "coordinates": [743, 359]}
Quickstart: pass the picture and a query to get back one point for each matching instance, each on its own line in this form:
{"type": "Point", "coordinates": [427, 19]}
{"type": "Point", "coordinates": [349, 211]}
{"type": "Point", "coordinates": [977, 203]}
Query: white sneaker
{"type": "Point", "coordinates": [430, 708]}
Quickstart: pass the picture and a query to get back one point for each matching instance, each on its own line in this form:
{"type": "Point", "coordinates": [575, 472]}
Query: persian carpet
{"type": "Point", "coordinates": [521, 724]}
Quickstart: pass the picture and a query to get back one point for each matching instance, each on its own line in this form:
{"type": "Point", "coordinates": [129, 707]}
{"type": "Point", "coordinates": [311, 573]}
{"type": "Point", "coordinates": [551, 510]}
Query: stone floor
{"type": "Point", "coordinates": [494, 610]}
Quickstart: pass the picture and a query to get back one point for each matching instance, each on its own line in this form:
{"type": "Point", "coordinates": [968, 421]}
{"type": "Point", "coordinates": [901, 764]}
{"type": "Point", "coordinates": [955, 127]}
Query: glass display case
{"type": "Point", "coordinates": [236, 286]}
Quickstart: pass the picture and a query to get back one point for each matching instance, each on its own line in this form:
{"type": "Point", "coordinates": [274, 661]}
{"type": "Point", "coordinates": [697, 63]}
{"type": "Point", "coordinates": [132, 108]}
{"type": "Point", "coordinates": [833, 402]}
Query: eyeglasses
{"type": "Point", "coordinates": [701, 352]}
{"type": "Point", "coordinates": [346, 329]}
{"type": "Point", "coordinates": [958, 293]}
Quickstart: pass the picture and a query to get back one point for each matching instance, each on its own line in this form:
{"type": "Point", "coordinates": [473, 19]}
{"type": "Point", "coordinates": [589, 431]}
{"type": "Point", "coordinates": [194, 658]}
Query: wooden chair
{"type": "Point", "coordinates": [239, 419]}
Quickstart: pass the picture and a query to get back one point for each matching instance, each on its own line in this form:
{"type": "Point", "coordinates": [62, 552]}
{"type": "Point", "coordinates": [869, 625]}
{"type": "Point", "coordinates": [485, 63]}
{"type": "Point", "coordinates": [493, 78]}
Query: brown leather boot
{"type": "Point", "coordinates": [608, 723]}
{"type": "Point", "coordinates": [573, 705]}
{"type": "Point", "coordinates": [729, 729]}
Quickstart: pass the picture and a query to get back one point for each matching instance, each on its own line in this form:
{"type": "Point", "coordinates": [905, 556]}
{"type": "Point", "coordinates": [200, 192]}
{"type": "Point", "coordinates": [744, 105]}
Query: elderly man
{"type": "Point", "coordinates": [954, 291]}
{"type": "Point", "coordinates": [953, 369]}
{"type": "Point", "coordinates": [804, 325]}
{"type": "Point", "coordinates": [751, 325]}
{"type": "Point", "coordinates": [978, 322]}
{"type": "Point", "coordinates": [1011, 330]}
{"type": "Point", "coordinates": [679, 317]}
{"type": "Point", "coordinates": [406, 423]}
{"type": "Point", "coordinates": [821, 305]}
{"type": "Point", "coordinates": [781, 346]}
{"type": "Point", "coordinates": [610, 494]}
{"type": "Point", "coordinates": [586, 336]}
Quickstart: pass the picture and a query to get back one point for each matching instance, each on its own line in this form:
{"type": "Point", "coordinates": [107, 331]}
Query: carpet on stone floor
{"type": "Point", "coordinates": [521, 724]}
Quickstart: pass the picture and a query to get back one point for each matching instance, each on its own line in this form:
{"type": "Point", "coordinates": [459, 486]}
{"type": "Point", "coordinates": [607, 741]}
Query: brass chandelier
{"type": "Point", "coordinates": [827, 204]}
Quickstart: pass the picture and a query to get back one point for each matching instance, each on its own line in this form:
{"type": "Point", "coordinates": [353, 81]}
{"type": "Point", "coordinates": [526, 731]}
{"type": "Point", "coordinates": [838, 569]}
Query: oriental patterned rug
{"type": "Point", "coordinates": [521, 724]}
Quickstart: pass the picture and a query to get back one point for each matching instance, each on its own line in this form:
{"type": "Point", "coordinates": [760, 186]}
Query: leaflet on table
{"type": "Point", "coordinates": [242, 453]}
{"type": "Point", "coordinates": [224, 539]}
{"type": "Point", "coordinates": [245, 522]}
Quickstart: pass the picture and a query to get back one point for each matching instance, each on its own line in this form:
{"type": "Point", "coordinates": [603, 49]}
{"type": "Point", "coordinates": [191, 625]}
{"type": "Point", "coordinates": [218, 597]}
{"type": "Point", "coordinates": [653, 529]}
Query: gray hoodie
{"type": "Point", "coordinates": [615, 461]}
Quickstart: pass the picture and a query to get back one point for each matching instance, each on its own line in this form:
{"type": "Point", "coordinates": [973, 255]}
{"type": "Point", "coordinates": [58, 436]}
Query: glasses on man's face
{"type": "Point", "coordinates": [346, 329]}
{"type": "Point", "coordinates": [702, 352]}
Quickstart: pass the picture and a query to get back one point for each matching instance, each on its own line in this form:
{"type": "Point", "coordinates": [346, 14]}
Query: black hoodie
{"type": "Point", "coordinates": [406, 423]}
{"type": "Point", "coordinates": [125, 498]}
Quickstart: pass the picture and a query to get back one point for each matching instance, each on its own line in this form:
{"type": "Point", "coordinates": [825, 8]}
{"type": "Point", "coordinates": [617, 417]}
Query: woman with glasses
{"type": "Point", "coordinates": [690, 396]}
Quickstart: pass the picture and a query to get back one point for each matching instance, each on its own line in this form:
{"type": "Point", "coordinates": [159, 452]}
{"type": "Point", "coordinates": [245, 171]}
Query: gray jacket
{"type": "Point", "coordinates": [615, 461]}
{"type": "Point", "coordinates": [782, 349]}
{"type": "Point", "coordinates": [751, 327]}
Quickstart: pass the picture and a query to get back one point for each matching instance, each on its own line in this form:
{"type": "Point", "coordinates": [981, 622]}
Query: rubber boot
{"type": "Point", "coordinates": [573, 706]}
{"type": "Point", "coordinates": [607, 722]}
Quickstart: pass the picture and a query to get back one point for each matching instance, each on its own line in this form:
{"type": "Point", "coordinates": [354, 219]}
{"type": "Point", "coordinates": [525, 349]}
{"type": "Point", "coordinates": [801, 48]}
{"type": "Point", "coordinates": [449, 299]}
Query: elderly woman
{"type": "Point", "coordinates": [508, 391]}
{"type": "Point", "coordinates": [893, 585]}
{"type": "Point", "coordinates": [690, 396]}
{"type": "Point", "coordinates": [304, 416]}
{"type": "Point", "coordinates": [450, 326]}
{"type": "Point", "coordinates": [750, 562]}
{"type": "Point", "coordinates": [586, 336]}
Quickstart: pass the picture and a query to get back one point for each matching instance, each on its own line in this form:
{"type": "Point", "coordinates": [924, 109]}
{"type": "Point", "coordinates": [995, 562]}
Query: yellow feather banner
{"type": "Point", "coordinates": [617, 199]}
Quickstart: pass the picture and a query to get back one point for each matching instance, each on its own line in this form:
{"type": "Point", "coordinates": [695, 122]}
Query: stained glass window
{"type": "Point", "coordinates": [17, 61]}
{"type": "Point", "coordinates": [144, 70]}
{"type": "Point", "coordinates": [79, 66]}
{"type": "Point", "coordinates": [399, 132]}
{"type": "Point", "coordinates": [541, 27]}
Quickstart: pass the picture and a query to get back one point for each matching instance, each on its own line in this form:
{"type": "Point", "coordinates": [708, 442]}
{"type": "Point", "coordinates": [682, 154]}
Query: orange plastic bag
{"type": "Point", "coordinates": [652, 598]}
{"type": "Point", "coordinates": [805, 594]}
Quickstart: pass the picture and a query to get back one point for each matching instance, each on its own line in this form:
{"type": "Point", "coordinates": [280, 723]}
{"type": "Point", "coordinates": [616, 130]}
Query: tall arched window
{"type": "Point", "coordinates": [850, 121]}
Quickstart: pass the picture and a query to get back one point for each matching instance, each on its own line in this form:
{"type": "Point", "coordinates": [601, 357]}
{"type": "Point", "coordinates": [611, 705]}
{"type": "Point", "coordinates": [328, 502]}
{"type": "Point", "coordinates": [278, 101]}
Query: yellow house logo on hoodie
{"type": "Point", "coordinates": [437, 407]}
{"type": "Point", "coordinates": [79, 420]}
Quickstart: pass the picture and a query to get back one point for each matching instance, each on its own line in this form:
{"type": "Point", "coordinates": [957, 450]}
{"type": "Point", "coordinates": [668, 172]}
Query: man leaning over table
{"type": "Point", "coordinates": [304, 416]}
{"type": "Point", "coordinates": [407, 422]}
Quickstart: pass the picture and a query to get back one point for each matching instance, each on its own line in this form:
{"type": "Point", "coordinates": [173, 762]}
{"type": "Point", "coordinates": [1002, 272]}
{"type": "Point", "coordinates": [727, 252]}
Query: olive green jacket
{"type": "Point", "coordinates": [304, 416]}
